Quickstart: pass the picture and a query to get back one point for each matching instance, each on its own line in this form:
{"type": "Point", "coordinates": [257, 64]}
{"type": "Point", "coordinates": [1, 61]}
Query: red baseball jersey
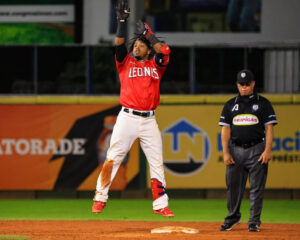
{"type": "Point", "coordinates": [139, 83]}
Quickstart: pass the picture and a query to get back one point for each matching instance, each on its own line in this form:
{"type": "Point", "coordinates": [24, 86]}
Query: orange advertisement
{"type": "Point", "coordinates": [45, 147]}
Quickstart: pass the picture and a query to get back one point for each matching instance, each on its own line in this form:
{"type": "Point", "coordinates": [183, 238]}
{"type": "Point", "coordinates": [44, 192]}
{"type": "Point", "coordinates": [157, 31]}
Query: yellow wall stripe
{"type": "Point", "coordinates": [165, 99]}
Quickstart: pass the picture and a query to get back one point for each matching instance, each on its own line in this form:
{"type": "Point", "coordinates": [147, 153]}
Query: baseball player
{"type": "Point", "coordinates": [247, 120]}
{"type": "Point", "coordinates": [140, 71]}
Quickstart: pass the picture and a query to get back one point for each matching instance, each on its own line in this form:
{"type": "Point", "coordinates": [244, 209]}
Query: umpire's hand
{"type": "Point", "coordinates": [228, 160]}
{"type": "Point", "coordinates": [265, 157]}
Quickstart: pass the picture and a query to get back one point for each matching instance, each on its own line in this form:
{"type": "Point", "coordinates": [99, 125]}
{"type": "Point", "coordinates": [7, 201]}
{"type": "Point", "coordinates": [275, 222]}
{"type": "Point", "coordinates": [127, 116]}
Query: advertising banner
{"type": "Point", "coordinates": [63, 146]}
{"type": "Point", "coordinates": [38, 22]}
{"type": "Point", "coordinates": [45, 147]}
{"type": "Point", "coordinates": [193, 152]}
{"type": "Point", "coordinates": [37, 13]}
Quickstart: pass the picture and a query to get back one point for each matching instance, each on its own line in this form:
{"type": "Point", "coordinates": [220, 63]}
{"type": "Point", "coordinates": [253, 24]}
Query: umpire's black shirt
{"type": "Point", "coordinates": [247, 117]}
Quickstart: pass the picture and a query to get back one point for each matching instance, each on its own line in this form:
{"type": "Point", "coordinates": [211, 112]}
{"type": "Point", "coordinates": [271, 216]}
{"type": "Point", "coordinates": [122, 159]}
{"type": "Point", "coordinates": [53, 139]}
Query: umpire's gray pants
{"type": "Point", "coordinates": [246, 163]}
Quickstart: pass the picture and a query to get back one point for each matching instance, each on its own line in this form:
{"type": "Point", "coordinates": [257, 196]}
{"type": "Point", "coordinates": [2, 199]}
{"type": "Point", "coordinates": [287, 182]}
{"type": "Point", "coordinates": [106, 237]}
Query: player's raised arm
{"type": "Point", "coordinates": [163, 51]}
{"type": "Point", "coordinates": [144, 29]}
{"type": "Point", "coordinates": [122, 12]}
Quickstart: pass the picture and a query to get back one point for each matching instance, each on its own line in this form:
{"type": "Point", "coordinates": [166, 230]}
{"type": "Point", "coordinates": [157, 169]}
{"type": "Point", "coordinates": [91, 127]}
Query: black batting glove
{"type": "Point", "coordinates": [122, 11]}
{"type": "Point", "coordinates": [141, 28]}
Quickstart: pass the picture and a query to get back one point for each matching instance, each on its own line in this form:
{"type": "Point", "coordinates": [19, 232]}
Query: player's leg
{"type": "Point", "coordinates": [151, 143]}
{"type": "Point", "coordinates": [236, 177]}
{"type": "Point", "coordinates": [124, 134]}
{"type": "Point", "coordinates": [257, 178]}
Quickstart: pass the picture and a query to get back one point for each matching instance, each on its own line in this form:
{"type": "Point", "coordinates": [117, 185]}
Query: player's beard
{"type": "Point", "coordinates": [140, 58]}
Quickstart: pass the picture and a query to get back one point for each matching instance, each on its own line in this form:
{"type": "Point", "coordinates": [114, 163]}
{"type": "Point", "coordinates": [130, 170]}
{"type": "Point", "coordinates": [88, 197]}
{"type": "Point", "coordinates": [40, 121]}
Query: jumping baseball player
{"type": "Point", "coordinates": [140, 71]}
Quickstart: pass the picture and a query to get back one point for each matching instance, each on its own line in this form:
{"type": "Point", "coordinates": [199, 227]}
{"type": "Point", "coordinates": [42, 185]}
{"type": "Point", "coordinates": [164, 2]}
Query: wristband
{"type": "Point", "coordinates": [165, 49]}
{"type": "Point", "coordinates": [121, 29]}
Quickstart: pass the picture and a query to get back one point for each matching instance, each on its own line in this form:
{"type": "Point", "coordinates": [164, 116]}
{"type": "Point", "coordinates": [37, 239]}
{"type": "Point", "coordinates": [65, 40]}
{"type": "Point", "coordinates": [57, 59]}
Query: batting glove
{"type": "Point", "coordinates": [143, 29]}
{"type": "Point", "coordinates": [122, 11]}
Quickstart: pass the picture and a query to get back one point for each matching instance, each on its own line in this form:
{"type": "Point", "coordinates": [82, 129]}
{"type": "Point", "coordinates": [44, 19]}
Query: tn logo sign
{"type": "Point", "coordinates": [186, 148]}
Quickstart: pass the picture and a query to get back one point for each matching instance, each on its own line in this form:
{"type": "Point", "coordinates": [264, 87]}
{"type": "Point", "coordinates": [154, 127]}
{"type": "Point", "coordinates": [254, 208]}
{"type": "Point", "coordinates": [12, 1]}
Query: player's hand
{"type": "Point", "coordinates": [122, 11]}
{"type": "Point", "coordinates": [228, 160]}
{"type": "Point", "coordinates": [265, 157]}
{"type": "Point", "coordinates": [140, 28]}
{"type": "Point", "coordinates": [143, 29]}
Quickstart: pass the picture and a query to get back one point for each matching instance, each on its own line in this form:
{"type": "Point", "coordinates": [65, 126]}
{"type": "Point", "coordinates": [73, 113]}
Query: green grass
{"type": "Point", "coordinates": [274, 211]}
{"type": "Point", "coordinates": [13, 237]}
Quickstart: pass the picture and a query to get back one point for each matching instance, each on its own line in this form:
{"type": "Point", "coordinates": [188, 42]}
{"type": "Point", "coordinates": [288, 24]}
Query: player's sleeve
{"type": "Point", "coordinates": [225, 118]}
{"type": "Point", "coordinates": [269, 116]}
{"type": "Point", "coordinates": [121, 53]}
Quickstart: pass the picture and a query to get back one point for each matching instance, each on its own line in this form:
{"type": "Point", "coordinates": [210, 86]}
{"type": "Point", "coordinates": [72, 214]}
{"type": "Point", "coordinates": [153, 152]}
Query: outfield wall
{"type": "Point", "coordinates": [49, 143]}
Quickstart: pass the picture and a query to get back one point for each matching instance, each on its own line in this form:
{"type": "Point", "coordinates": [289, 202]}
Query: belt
{"type": "Point", "coordinates": [138, 113]}
{"type": "Point", "coordinates": [248, 145]}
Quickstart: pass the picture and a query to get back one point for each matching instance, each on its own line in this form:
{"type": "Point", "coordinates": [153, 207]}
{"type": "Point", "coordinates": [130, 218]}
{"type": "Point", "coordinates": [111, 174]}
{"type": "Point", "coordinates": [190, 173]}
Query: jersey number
{"type": "Point", "coordinates": [235, 108]}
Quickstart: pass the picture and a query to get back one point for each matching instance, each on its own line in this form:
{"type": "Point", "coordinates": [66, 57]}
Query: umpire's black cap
{"type": "Point", "coordinates": [245, 76]}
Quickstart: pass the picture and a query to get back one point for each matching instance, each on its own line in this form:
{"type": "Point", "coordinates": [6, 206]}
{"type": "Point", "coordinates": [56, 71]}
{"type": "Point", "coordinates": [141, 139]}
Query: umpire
{"type": "Point", "coordinates": [247, 122]}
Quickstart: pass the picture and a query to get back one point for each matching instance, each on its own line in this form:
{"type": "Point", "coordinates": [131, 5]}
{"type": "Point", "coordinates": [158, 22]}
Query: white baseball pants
{"type": "Point", "coordinates": [127, 129]}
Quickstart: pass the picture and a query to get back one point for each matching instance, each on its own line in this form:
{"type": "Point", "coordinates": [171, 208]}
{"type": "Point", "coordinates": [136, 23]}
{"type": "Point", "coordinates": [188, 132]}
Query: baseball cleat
{"type": "Point", "coordinates": [98, 206]}
{"type": "Point", "coordinates": [253, 228]}
{"type": "Point", "coordinates": [228, 226]}
{"type": "Point", "coordinates": [166, 212]}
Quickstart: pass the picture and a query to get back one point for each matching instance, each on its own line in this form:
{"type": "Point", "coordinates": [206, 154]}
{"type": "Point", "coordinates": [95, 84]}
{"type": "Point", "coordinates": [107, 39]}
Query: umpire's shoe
{"type": "Point", "coordinates": [228, 226]}
{"type": "Point", "coordinates": [253, 228]}
{"type": "Point", "coordinates": [98, 206]}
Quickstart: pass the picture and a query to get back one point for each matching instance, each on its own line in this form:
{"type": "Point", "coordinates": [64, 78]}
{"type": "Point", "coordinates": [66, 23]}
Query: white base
{"type": "Point", "coordinates": [170, 229]}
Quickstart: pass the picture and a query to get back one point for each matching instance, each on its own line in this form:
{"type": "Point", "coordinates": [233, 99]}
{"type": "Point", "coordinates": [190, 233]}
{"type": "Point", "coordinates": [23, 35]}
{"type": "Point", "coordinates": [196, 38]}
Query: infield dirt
{"type": "Point", "coordinates": [125, 230]}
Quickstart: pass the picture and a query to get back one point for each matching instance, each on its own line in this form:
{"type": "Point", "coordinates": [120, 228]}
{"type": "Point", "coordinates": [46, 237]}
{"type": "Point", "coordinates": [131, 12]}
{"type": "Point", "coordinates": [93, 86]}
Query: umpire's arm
{"type": "Point", "coordinates": [225, 138]}
{"type": "Point", "coordinates": [267, 154]}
